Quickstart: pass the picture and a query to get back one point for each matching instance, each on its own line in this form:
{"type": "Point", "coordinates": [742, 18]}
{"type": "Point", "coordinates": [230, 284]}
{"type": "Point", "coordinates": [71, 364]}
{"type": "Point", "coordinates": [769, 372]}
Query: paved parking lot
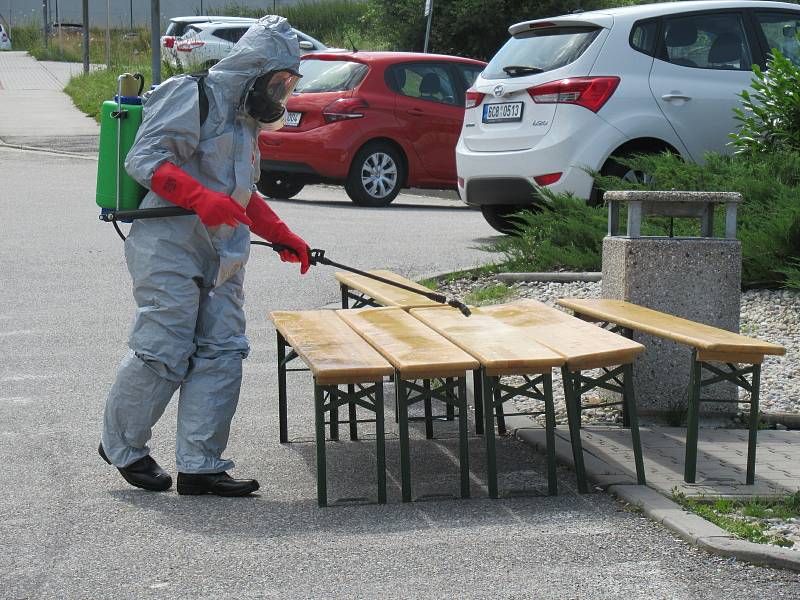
{"type": "Point", "coordinates": [73, 529]}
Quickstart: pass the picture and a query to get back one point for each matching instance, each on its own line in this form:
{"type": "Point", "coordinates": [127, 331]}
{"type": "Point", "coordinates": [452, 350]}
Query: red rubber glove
{"type": "Point", "coordinates": [213, 208]}
{"type": "Point", "coordinates": [267, 224]}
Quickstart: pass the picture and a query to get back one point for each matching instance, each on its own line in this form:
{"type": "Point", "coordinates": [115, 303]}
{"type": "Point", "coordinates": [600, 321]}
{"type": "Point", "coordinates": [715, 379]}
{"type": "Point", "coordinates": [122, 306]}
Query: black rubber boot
{"type": "Point", "coordinates": [144, 473]}
{"type": "Point", "coordinates": [219, 484]}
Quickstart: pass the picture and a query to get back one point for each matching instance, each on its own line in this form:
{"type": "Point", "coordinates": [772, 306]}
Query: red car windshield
{"type": "Point", "coordinates": [329, 75]}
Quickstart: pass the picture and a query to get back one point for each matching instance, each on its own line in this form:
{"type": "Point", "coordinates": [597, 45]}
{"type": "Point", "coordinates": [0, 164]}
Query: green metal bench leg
{"type": "Point", "coordinates": [334, 419]}
{"type": "Point", "coordinates": [405, 450]}
{"type": "Point", "coordinates": [751, 442]}
{"type": "Point", "coordinates": [428, 409]}
{"type": "Point", "coordinates": [450, 410]}
{"type": "Point", "coordinates": [692, 421]}
{"type": "Point", "coordinates": [283, 419]}
{"type": "Point", "coordinates": [352, 414]}
{"type": "Point", "coordinates": [319, 418]}
{"type": "Point", "coordinates": [477, 393]}
{"type": "Point", "coordinates": [550, 434]}
{"type": "Point", "coordinates": [571, 398]}
{"type": "Point", "coordinates": [498, 407]}
{"type": "Point", "coordinates": [629, 399]}
{"type": "Point", "coordinates": [463, 442]}
{"type": "Point", "coordinates": [488, 432]}
{"type": "Point", "coordinates": [380, 442]}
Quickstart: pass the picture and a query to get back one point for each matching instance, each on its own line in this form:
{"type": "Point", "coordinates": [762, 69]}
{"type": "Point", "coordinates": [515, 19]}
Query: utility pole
{"type": "Point", "coordinates": [155, 39]}
{"type": "Point", "coordinates": [429, 14]}
{"type": "Point", "coordinates": [108, 34]}
{"type": "Point", "coordinates": [85, 36]}
{"type": "Point", "coordinates": [44, 21]}
{"type": "Point", "coordinates": [131, 15]}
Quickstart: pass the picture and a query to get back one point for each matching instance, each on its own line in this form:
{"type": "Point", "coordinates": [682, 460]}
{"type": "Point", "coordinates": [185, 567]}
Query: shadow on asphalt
{"type": "Point", "coordinates": [351, 206]}
{"type": "Point", "coordinates": [287, 506]}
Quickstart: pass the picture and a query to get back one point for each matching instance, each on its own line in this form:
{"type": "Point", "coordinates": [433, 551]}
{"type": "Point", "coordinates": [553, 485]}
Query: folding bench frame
{"type": "Point", "coordinates": [450, 390]}
{"type": "Point", "coordinates": [493, 394]}
{"type": "Point", "coordinates": [327, 399]}
{"type": "Point", "coordinates": [735, 375]}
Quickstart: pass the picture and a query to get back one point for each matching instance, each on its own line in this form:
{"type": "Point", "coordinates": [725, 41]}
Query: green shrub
{"type": "Point", "coordinates": [770, 115]}
{"type": "Point", "coordinates": [565, 234]}
{"type": "Point", "coordinates": [568, 234]}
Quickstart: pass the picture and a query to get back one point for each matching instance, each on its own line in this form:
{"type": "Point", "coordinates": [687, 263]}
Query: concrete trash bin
{"type": "Point", "coordinates": [697, 278]}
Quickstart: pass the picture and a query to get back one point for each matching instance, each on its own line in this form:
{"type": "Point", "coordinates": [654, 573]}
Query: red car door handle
{"type": "Point", "coordinates": [418, 112]}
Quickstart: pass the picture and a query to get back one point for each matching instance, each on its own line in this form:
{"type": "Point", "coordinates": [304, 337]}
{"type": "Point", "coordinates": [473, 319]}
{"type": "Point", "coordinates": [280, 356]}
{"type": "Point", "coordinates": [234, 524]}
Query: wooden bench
{"type": "Point", "coordinates": [426, 366]}
{"type": "Point", "coordinates": [364, 291]}
{"type": "Point", "coordinates": [336, 356]}
{"type": "Point", "coordinates": [501, 350]}
{"type": "Point", "coordinates": [709, 345]}
{"type": "Point", "coordinates": [583, 347]}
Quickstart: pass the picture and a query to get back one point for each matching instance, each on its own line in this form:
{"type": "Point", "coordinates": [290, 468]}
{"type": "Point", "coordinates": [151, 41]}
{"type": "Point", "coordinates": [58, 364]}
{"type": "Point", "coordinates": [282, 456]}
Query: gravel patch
{"type": "Point", "coordinates": [771, 315]}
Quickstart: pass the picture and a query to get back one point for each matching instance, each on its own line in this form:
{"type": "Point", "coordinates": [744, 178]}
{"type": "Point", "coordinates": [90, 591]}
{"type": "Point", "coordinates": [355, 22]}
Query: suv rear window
{"type": "Point", "coordinates": [329, 75]}
{"type": "Point", "coordinates": [230, 34]}
{"type": "Point", "coordinates": [176, 29]}
{"type": "Point", "coordinates": [541, 49]}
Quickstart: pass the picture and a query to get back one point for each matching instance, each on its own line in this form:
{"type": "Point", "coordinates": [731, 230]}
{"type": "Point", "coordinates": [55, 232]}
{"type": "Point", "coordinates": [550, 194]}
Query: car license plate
{"type": "Point", "coordinates": [293, 119]}
{"type": "Point", "coordinates": [503, 112]}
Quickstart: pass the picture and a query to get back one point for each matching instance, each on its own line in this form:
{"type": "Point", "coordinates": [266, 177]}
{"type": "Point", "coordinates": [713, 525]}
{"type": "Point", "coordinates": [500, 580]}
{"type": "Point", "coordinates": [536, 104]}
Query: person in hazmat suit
{"type": "Point", "coordinates": [187, 272]}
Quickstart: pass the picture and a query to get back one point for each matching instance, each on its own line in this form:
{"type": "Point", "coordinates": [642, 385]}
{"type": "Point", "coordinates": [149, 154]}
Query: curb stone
{"type": "Point", "coordinates": [701, 533]}
{"type": "Point", "coordinates": [688, 526]}
{"type": "Point", "coordinates": [556, 276]}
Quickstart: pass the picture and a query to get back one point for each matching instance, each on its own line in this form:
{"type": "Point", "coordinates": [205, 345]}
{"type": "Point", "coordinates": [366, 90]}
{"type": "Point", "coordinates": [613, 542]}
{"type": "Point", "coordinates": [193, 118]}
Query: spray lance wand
{"type": "Point", "coordinates": [316, 256]}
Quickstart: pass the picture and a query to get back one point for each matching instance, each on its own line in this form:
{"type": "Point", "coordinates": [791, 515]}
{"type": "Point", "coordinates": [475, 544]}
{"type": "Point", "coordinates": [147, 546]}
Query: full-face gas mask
{"type": "Point", "coordinates": [266, 100]}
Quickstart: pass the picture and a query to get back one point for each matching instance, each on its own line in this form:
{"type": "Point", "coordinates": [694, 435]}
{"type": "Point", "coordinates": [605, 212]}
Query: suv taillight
{"type": "Point", "coordinates": [169, 41]}
{"type": "Point", "coordinates": [344, 109]}
{"type": "Point", "coordinates": [589, 92]}
{"type": "Point", "coordinates": [473, 99]}
{"type": "Point", "coordinates": [188, 45]}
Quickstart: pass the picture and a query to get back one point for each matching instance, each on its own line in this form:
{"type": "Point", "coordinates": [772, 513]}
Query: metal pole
{"type": "Point", "coordinates": [155, 39]}
{"type": "Point", "coordinates": [58, 20]}
{"type": "Point", "coordinates": [108, 34]}
{"type": "Point", "coordinates": [44, 21]}
{"type": "Point", "coordinates": [85, 36]}
{"type": "Point", "coordinates": [131, 15]}
{"type": "Point", "coordinates": [429, 6]}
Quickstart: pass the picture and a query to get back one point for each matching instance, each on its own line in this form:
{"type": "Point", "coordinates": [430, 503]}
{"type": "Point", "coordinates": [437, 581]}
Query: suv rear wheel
{"type": "Point", "coordinates": [500, 216]}
{"type": "Point", "coordinates": [274, 185]}
{"type": "Point", "coordinates": [376, 175]}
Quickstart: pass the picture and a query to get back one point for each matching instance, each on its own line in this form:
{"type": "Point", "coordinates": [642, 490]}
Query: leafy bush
{"type": "Point", "coordinates": [568, 233]}
{"type": "Point", "coordinates": [770, 115]}
{"type": "Point", "coordinates": [473, 28]}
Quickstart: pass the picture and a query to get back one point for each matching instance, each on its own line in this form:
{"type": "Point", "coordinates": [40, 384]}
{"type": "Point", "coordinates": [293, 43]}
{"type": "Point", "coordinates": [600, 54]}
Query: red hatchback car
{"type": "Point", "coordinates": [375, 121]}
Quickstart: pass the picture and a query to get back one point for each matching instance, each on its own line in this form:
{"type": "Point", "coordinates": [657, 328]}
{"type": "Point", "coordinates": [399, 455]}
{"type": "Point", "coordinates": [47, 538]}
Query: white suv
{"type": "Point", "coordinates": [570, 93]}
{"type": "Point", "coordinates": [177, 28]}
{"type": "Point", "coordinates": [205, 44]}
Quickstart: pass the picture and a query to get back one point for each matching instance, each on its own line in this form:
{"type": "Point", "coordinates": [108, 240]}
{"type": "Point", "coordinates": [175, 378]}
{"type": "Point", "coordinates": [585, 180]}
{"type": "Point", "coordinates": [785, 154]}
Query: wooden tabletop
{"type": "Point", "coordinates": [413, 348]}
{"type": "Point", "coordinates": [499, 347]}
{"type": "Point", "coordinates": [583, 345]}
{"type": "Point", "coordinates": [385, 294]}
{"type": "Point", "coordinates": [332, 350]}
{"type": "Point", "coordinates": [646, 320]}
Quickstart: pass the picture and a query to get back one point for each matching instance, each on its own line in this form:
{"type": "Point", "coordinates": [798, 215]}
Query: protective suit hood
{"type": "Point", "coordinates": [269, 45]}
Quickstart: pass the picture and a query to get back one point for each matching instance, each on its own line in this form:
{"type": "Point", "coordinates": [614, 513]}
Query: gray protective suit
{"type": "Point", "coordinates": [189, 330]}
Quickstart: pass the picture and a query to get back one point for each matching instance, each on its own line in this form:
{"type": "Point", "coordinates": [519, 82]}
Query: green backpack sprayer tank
{"type": "Point", "coordinates": [120, 119]}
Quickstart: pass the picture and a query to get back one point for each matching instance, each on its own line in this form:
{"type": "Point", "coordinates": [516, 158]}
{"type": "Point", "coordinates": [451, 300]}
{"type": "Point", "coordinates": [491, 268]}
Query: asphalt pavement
{"type": "Point", "coordinates": [72, 528]}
